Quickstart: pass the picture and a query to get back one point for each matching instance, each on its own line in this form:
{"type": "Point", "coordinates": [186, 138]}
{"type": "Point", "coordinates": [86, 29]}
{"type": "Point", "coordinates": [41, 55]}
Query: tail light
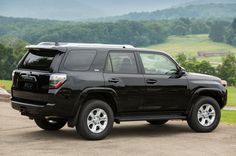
{"type": "Point", "coordinates": [13, 74]}
{"type": "Point", "coordinates": [57, 80]}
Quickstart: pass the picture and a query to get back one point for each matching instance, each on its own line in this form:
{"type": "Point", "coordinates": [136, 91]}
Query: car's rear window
{"type": "Point", "coordinates": [79, 59]}
{"type": "Point", "coordinates": [39, 59]}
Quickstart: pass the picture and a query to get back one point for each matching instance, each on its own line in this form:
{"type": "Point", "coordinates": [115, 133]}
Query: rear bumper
{"type": "Point", "coordinates": [33, 110]}
{"type": "Point", "coordinates": [42, 104]}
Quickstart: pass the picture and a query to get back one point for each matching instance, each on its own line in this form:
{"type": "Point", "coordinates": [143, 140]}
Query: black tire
{"type": "Point", "coordinates": [194, 121]}
{"type": "Point", "coordinates": [82, 127]}
{"type": "Point", "coordinates": [157, 122]}
{"type": "Point", "coordinates": [50, 124]}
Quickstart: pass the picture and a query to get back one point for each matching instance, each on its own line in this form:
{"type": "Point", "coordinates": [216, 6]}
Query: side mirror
{"type": "Point", "coordinates": [181, 71]}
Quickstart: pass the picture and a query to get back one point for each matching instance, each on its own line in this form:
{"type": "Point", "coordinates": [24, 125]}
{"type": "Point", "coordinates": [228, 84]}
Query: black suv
{"type": "Point", "coordinates": [91, 86]}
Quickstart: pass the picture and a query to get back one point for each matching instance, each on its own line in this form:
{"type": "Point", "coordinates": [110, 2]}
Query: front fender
{"type": "Point", "coordinates": [216, 93]}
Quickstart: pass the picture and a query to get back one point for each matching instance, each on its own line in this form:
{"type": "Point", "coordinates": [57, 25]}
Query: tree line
{"type": "Point", "coordinates": [222, 31]}
{"type": "Point", "coordinates": [226, 70]}
{"type": "Point", "coordinates": [137, 33]}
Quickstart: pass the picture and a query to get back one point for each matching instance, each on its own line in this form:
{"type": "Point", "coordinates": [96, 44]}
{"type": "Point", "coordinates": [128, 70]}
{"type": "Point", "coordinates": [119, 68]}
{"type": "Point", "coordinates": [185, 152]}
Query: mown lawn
{"type": "Point", "coordinates": [6, 83]}
{"type": "Point", "coordinates": [231, 96]}
{"type": "Point", "coordinates": [228, 116]}
{"type": "Point", "coordinates": [191, 45]}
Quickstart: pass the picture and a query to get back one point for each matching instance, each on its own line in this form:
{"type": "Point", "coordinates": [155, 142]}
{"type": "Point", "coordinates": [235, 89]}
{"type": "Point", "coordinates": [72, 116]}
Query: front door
{"type": "Point", "coordinates": [122, 74]}
{"type": "Point", "coordinates": [164, 89]}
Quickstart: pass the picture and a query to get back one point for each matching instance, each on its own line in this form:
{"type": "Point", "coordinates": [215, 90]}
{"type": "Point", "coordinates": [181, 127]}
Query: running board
{"type": "Point", "coordinates": [148, 117]}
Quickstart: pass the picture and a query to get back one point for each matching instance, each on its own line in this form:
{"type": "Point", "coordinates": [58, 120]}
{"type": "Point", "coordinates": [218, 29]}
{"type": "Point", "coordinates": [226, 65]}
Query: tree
{"type": "Point", "coordinates": [234, 41]}
{"type": "Point", "coordinates": [233, 25]}
{"type": "Point", "coordinates": [192, 65]}
{"type": "Point", "coordinates": [181, 59]}
{"type": "Point", "coordinates": [229, 35]}
{"type": "Point", "coordinates": [227, 70]}
{"type": "Point", "coordinates": [217, 31]}
{"type": "Point", "coordinates": [6, 62]}
{"type": "Point", "coordinates": [180, 30]}
{"type": "Point", "coordinates": [199, 28]}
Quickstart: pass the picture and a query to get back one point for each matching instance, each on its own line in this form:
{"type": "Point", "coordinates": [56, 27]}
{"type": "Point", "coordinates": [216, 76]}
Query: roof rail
{"type": "Point", "coordinates": [85, 45]}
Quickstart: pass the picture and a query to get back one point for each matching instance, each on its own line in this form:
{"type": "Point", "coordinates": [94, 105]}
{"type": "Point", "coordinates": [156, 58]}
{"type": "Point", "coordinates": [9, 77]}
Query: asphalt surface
{"type": "Point", "coordinates": [20, 136]}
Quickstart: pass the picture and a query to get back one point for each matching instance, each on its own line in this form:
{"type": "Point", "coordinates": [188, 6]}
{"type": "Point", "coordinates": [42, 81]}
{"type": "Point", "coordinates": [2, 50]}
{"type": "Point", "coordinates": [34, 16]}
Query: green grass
{"type": "Point", "coordinates": [231, 96]}
{"type": "Point", "coordinates": [191, 44]}
{"type": "Point", "coordinates": [6, 83]}
{"type": "Point", "coordinates": [228, 116]}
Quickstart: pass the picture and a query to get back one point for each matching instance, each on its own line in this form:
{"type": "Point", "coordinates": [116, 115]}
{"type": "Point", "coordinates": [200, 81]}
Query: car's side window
{"type": "Point", "coordinates": [157, 64]}
{"type": "Point", "coordinates": [122, 63]}
{"type": "Point", "coordinates": [79, 60]}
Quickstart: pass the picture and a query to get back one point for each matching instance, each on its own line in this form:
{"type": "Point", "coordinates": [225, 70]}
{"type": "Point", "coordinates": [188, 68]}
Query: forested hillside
{"type": "Point", "coordinates": [201, 11]}
{"type": "Point", "coordinates": [138, 33]}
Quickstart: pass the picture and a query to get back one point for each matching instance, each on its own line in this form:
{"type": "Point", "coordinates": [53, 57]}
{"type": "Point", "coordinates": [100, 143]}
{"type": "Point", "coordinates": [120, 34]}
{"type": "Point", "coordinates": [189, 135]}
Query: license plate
{"type": "Point", "coordinates": [28, 86]}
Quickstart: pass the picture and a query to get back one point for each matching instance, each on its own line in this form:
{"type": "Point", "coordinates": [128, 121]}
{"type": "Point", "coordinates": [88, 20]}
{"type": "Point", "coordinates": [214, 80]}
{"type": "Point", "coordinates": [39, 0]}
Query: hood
{"type": "Point", "coordinates": [203, 77]}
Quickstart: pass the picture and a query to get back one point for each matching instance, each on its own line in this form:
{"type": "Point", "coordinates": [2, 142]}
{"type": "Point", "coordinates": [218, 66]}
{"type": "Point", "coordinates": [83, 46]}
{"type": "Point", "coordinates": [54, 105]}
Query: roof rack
{"type": "Point", "coordinates": [85, 45]}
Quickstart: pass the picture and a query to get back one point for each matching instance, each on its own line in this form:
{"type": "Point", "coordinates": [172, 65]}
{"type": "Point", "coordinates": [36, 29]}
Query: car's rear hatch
{"type": "Point", "coordinates": [31, 78]}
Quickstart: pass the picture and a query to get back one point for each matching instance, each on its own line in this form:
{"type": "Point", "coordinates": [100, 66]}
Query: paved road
{"type": "Point", "coordinates": [20, 136]}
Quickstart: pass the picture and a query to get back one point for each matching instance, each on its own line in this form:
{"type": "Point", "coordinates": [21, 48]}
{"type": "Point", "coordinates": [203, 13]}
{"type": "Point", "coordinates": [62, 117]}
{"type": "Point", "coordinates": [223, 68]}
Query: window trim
{"type": "Point", "coordinates": [121, 51]}
{"type": "Point", "coordinates": [69, 51]}
{"type": "Point", "coordinates": [157, 53]}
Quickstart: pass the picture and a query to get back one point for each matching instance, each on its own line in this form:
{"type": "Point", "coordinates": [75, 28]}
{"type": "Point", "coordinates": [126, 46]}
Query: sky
{"type": "Point", "coordinates": [80, 9]}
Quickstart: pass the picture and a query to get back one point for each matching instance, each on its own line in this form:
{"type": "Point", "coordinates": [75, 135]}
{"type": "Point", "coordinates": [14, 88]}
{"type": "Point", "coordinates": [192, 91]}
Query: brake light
{"type": "Point", "coordinates": [57, 80]}
{"type": "Point", "coordinates": [13, 74]}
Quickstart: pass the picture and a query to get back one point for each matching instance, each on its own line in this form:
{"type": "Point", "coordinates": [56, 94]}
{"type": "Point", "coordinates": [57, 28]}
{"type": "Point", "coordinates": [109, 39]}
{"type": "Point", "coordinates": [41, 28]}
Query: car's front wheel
{"type": "Point", "coordinates": [95, 120]}
{"type": "Point", "coordinates": [205, 115]}
{"type": "Point", "coordinates": [50, 123]}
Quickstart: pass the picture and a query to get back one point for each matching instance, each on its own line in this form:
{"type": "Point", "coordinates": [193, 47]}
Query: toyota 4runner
{"type": "Point", "coordinates": [91, 86]}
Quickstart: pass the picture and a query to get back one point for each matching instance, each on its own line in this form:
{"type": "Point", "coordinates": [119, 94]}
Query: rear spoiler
{"type": "Point", "coordinates": [49, 47]}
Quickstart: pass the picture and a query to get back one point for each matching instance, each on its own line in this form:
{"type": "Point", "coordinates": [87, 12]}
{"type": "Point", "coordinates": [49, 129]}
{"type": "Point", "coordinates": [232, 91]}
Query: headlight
{"type": "Point", "coordinates": [224, 83]}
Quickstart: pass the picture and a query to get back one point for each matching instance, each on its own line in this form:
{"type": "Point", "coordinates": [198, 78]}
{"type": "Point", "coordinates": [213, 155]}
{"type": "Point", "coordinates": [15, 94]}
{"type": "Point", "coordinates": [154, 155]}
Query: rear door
{"type": "Point", "coordinates": [31, 78]}
{"type": "Point", "coordinates": [122, 74]}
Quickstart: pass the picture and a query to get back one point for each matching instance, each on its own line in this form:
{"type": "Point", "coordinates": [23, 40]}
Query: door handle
{"type": "Point", "coordinates": [151, 81]}
{"type": "Point", "coordinates": [113, 80]}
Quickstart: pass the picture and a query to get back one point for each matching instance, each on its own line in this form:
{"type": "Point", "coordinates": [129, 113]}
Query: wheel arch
{"type": "Point", "coordinates": [108, 95]}
{"type": "Point", "coordinates": [214, 93]}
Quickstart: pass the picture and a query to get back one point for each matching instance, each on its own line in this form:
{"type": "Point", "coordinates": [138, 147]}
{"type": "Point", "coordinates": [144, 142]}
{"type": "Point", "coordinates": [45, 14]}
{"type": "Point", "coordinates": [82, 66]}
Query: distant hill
{"type": "Point", "coordinates": [78, 10]}
{"type": "Point", "coordinates": [200, 11]}
{"type": "Point", "coordinates": [198, 2]}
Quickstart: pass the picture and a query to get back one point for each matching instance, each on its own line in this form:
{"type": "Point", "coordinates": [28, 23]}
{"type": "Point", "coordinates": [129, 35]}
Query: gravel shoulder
{"type": "Point", "coordinates": [20, 136]}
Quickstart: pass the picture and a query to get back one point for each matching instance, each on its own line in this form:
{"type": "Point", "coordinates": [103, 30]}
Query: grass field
{"type": "Point", "coordinates": [231, 96]}
{"type": "Point", "coordinates": [191, 44]}
{"type": "Point", "coordinates": [6, 83]}
{"type": "Point", "coordinates": [228, 116]}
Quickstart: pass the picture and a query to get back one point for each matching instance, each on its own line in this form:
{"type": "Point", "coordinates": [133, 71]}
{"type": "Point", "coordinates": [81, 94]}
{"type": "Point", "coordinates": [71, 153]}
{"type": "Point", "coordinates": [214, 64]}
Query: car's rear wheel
{"type": "Point", "coordinates": [205, 115]}
{"type": "Point", "coordinates": [50, 123]}
{"type": "Point", "coordinates": [157, 122]}
{"type": "Point", "coordinates": [95, 120]}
